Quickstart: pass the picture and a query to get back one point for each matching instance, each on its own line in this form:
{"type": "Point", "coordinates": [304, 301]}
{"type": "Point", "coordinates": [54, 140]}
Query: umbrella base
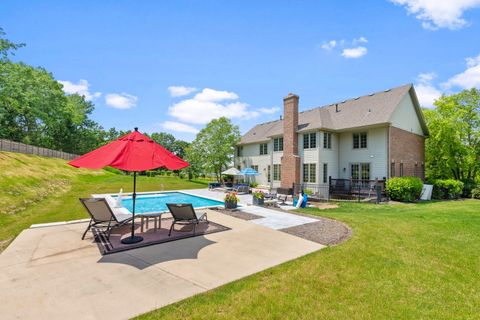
{"type": "Point", "coordinates": [130, 240]}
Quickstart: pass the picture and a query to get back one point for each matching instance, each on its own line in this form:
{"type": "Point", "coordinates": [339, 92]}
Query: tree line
{"type": "Point", "coordinates": [35, 110]}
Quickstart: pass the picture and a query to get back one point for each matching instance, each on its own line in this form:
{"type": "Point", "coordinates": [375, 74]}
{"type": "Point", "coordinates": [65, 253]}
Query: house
{"type": "Point", "coordinates": [377, 136]}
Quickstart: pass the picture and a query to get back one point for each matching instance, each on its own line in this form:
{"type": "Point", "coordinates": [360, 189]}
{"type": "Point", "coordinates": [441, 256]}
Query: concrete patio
{"type": "Point", "coordinates": [49, 273]}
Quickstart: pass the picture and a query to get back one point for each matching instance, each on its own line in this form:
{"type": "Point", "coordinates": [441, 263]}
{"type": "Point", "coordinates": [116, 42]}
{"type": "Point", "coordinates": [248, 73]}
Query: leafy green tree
{"type": "Point", "coordinates": [213, 148]}
{"type": "Point", "coordinates": [7, 47]}
{"type": "Point", "coordinates": [453, 148]}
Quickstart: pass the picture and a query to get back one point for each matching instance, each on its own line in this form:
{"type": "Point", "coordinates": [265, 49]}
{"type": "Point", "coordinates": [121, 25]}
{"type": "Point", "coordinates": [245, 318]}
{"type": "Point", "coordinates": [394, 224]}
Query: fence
{"type": "Point", "coordinates": [12, 146]}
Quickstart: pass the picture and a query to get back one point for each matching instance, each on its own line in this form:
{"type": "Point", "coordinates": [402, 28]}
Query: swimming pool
{"type": "Point", "coordinates": [157, 202]}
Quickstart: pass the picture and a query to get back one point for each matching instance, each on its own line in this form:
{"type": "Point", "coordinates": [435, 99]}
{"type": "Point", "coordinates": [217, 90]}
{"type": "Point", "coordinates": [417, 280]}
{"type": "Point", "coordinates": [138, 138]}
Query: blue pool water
{"type": "Point", "coordinates": [158, 202]}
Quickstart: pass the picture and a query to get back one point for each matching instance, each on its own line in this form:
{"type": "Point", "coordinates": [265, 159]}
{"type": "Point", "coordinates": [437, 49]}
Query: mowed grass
{"type": "Point", "coordinates": [405, 261]}
{"type": "Point", "coordinates": [37, 190]}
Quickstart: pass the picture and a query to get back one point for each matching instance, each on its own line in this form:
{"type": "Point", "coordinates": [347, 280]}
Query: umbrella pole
{"type": "Point", "coordinates": [133, 238]}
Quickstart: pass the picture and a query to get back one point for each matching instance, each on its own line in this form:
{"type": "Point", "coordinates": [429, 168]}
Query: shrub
{"type": "Point", "coordinates": [259, 195]}
{"type": "Point", "coordinates": [447, 189]}
{"type": "Point", "coordinates": [253, 184]}
{"type": "Point", "coordinates": [113, 170]}
{"type": "Point", "coordinates": [476, 193]}
{"type": "Point", "coordinates": [404, 188]}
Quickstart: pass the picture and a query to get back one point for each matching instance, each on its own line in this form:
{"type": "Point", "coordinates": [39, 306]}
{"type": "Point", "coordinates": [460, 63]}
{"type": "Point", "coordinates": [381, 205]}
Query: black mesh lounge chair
{"type": "Point", "coordinates": [102, 215]}
{"type": "Point", "coordinates": [184, 214]}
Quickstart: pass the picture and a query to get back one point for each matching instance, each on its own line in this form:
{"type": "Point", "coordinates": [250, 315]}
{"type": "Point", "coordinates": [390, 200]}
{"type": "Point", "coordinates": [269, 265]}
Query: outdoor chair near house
{"type": "Point", "coordinates": [241, 189]}
{"type": "Point", "coordinates": [102, 216]}
{"type": "Point", "coordinates": [184, 214]}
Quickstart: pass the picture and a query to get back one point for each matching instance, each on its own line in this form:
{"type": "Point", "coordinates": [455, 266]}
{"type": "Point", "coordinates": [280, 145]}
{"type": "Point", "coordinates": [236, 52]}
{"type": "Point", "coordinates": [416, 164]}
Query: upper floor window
{"type": "Point", "coordinates": [239, 151]}
{"type": "Point", "coordinates": [278, 144]}
{"type": "Point", "coordinates": [310, 140]}
{"type": "Point", "coordinates": [327, 140]}
{"type": "Point", "coordinates": [263, 148]}
{"type": "Point", "coordinates": [360, 140]}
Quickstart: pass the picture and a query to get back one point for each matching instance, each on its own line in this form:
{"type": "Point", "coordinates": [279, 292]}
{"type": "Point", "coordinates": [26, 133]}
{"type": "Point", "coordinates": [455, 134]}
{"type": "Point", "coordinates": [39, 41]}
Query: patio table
{"type": "Point", "coordinates": [157, 219]}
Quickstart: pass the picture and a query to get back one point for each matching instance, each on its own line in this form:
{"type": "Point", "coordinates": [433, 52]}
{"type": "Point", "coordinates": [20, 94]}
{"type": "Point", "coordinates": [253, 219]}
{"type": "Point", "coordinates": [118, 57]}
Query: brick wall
{"type": "Point", "coordinates": [290, 158]}
{"type": "Point", "coordinates": [408, 150]}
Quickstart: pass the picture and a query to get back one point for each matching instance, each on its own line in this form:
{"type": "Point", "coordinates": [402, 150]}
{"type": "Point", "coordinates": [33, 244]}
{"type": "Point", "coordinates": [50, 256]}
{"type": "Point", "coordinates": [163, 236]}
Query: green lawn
{"type": "Point", "coordinates": [411, 261]}
{"type": "Point", "coordinates": [46, 190]}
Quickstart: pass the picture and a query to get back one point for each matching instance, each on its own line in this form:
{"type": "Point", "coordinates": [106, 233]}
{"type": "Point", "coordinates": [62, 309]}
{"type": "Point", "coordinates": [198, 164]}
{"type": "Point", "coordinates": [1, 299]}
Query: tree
{"type": "Point", "coordinates": [7, 47]}
{"type": "Point", "coordinates": [214, 147]}
{"type": "Point", "coordinates": [453, 148]}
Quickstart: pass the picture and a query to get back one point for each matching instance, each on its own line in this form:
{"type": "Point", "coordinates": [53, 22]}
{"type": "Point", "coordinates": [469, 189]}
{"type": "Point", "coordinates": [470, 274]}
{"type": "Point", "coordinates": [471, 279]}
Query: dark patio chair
{"type": "Point", "coordinates": [184, 214]}
{"type": "Point", "coordinates": [101, 215]}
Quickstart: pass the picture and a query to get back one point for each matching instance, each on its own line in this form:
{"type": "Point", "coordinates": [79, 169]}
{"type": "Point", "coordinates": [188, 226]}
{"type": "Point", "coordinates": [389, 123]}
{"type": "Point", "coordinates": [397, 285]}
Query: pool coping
{"type": "Point", "coordinates": [109, 195]}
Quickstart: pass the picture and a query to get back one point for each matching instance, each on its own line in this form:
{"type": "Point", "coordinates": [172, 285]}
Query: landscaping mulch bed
{"type": "Point", "coordinates": [326, 231]}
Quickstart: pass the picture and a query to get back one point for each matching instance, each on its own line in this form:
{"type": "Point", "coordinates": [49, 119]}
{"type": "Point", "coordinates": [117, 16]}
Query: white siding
{"type": "Point", "coordinates": [329, 156]}
{"type": "Point", "coordinates": [251, 157]}
{"type": "Point", "coordinates": [375, 154]}
{"type": "Point", "coordinates": [405, 116]}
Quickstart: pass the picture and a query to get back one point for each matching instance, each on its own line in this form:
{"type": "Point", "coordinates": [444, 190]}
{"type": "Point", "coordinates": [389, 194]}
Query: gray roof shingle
{"type": "Point", "coordinates": [372, 109]}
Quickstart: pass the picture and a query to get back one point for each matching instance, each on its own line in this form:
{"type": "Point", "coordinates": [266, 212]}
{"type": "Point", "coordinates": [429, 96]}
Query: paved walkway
{"type": "Point", "coordinates": [49, 273]}
{"type": "Point", "coordinates": [273, 219]}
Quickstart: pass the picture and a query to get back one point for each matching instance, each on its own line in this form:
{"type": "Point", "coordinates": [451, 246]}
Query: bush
{"type": "Point", "coordinates": [114, 170]}
{"type": "Point", "coordinates": [404, 188]}
{"type": "Point", "coordinates": [476, 193]}
{"type": "Point", "coordinates": [447, 189]}
{"type": "Point", "coordinates": [253, 184]}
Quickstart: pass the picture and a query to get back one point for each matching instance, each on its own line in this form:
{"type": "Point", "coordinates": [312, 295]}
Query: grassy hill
{"type": "Point", "coordinates": [35, 189]}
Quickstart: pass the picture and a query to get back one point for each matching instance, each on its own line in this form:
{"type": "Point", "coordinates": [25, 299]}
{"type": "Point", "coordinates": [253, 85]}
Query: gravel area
{"type": "Point", "coordinates": [239, 214]}
{"type": "Point", "coordinates": [325, 231]}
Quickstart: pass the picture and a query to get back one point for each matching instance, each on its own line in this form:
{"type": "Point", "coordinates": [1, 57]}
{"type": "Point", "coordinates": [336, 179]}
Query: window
{"type": "Point", "coordinates": [239, 151]}
{"type": "Point", "coordinates": [401, 169]}
{"type": "Point", "coordinates": [360, 140]}
{"type": "Point", "coordinates": [309, 172]}
{"type": "Point", "coordinates": [263, 148]}
{"type": "Point", "coordinates": [310, 140]}
{"type": "Point", "coordinates": [365, 171]}
{"type": "Point", "coordinates": [327, 140]}
{"type": "Point", "coordinates": [392, 170]}
{"type": "Point", "coordinates": [360, 171]}
{"type": "Point", "coordinates": [325, 172]}
{"type": "Point", "coordinates": [277, 172]}
{"type": "Point", "coordinates": [255, 168]}
{"type": "Point", "coordinates": [239, 167]}
{"type": "Point", "coordinates": [268, 174]}
{"type": "Point", "coordinates": [278, 144]}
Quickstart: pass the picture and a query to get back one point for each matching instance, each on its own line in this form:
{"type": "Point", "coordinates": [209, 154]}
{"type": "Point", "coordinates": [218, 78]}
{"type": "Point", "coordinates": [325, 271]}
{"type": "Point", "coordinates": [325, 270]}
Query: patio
{"type": "Point", "coordinates": [49, 273]}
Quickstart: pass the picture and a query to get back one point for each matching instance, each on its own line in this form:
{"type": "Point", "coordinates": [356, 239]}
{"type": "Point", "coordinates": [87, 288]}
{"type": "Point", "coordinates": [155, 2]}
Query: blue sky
{"type": "Point", "coordinates": [240, 58]}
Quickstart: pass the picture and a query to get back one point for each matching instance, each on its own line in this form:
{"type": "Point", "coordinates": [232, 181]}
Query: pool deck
{"type": "Point", "coordinates": [49, 273]}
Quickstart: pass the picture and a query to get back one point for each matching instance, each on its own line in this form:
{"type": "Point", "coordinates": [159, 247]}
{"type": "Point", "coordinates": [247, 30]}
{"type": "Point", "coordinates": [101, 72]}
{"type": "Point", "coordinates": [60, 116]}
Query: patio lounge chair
{"type": "Point", "coordinates": [241, 189]}
{"type": "Point", "coordinates": [184, 214]}
{"type": "Point", "coordinates": [101, 215]}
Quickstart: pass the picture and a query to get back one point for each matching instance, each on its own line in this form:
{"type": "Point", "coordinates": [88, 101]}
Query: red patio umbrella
{"type": "Point", "coordinates": [132, 152]}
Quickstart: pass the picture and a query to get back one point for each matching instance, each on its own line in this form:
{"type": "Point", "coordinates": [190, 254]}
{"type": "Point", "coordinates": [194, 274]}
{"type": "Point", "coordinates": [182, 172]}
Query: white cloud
{"type": "Point", "coordinates": [436, 14]}
{"type": "Point", "coordinates": [80, 88]}
{"type": "Point", "coordinates": [179, 91]}
{"type": "Point", "coordinates": [271, 110]}
{"type": "Point", "coordinates": [211, 95]}
{"type": "Point", "coordinates": [360, 40]}
{"type": "Point", "coordinates": [470, 78]}
{"type": "Point", "coordinates": [178, 127]}
{"type": "Point", "coordinates": [354, 52]}
{"type": "Point", "coordinates": [121, 100]}
{"type": "Point", "coordinates": [329, 45]}
{"type": "Point", "coordinates": [427, 93]}
{"type": "Point", "coordinates": [212, 104]}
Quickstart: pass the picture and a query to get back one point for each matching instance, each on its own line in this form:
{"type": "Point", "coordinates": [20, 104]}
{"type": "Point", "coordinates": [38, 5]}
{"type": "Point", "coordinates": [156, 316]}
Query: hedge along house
{"type": "Point", "coordinates": [376, 136]}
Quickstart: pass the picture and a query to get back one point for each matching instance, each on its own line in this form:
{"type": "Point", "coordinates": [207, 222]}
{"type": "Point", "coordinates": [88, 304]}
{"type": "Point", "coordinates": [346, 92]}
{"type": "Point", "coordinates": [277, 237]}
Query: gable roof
{"type": "Point", "coordinates": [373, 109]}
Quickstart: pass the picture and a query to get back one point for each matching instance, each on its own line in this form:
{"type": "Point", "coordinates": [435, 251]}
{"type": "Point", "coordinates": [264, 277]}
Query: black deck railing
{"type": "Point", "coordinates": [346, 189]}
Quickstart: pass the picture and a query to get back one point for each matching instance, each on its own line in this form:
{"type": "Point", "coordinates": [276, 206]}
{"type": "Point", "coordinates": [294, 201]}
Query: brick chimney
{"type": "Point", "coordinates": [290, 158]}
